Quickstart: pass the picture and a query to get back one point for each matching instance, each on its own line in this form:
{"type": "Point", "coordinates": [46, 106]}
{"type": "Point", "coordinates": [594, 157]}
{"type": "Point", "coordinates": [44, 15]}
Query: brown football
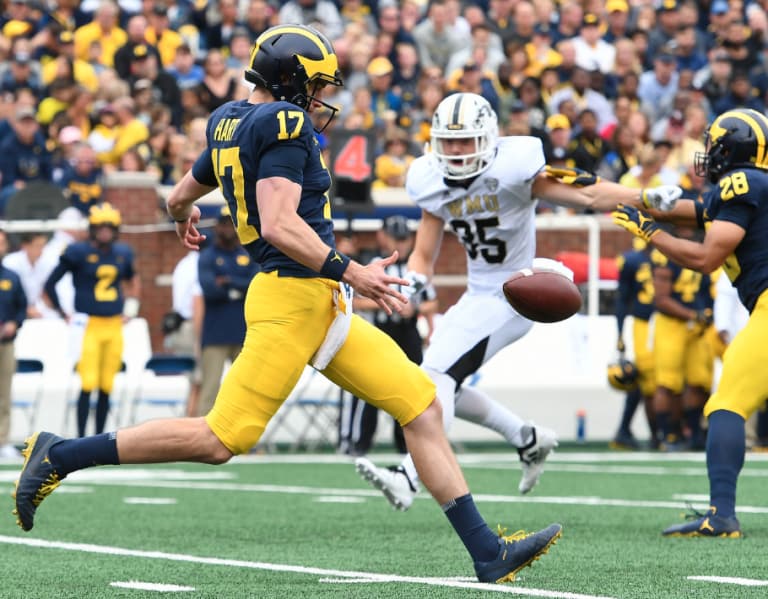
{"type": "Point", "coordinates": [542, 295]}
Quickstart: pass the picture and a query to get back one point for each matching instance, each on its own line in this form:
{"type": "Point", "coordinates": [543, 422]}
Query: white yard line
{"type": "Point", "coordinates": [587, 501]}
{"type": "Point", "coordinates": [487, 457]}
{"type": "Point", "coordinates": [744, 582]}
{"type": "Point", "coordinates": [150, 500]}
{"type": "Point", "coordinates": [324, 574]}
{"type": "Point", "coordinates": [151, 586]}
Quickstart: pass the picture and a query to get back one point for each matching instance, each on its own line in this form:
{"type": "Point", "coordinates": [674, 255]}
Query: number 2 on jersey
{"type": "Point", "coordinates": [104, 290]}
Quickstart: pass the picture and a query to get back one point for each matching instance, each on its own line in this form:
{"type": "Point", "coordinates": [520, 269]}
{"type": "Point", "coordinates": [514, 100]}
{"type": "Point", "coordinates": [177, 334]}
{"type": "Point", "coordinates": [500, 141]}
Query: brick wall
{"type": "Point", "coordinates": [158, 252]}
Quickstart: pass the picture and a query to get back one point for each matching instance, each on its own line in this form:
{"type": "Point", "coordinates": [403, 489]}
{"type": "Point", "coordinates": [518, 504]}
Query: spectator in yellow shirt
{"type": "Point", "coordinates": [391, 166]}
{"type": "Point", "coordinates": [540, 52]}
{"type": "Point", "coordinates": [104, 28]}
{"type": "Point", "coordinates": [82, 71]}
{"type": "Point", "coordinates": [130, 131]}
{"type": "Point", "coordinates": [646, 173]}
{"type": "Point", "coordinates": [159, 35]}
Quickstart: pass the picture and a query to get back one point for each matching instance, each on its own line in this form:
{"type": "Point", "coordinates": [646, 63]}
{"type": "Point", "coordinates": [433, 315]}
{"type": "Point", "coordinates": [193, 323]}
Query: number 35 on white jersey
{"type": "Point", "coordinates": [494, 218]}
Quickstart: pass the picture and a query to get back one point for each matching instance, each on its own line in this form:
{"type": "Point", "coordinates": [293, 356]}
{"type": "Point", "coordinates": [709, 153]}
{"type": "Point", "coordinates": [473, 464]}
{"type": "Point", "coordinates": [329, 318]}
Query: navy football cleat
{"type": "Point", "coordinates": [517, 551]}
{"type": "Point", "coordinates": [706, 525]}
{"type": "Point", "coordinates": [38, 479]}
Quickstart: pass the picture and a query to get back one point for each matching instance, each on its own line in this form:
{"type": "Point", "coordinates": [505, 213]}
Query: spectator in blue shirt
{"type": "Point", "coordinates": [23, 156]}
{"type": "Point", "coordinates": [658, 86]}
{"type": "Point", "coordinates": [82, 179]}
{"type": "Point", "coordinates": [186, 71]}
{"type": "Point", "coordinates": [739, 95]}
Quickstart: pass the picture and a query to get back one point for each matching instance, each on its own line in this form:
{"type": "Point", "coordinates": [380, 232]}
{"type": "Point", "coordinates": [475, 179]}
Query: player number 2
{"type": "Point", "coordinates": [104, 291]}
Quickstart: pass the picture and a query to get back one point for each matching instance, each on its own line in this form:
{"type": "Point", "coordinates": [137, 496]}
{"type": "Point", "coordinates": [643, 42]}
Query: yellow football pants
{"type": "Point", "coordinates": [287, 319]}
{"type": "Point", "coordinates": [743, 386]}
{"type": "Point", "coordinates": [102, 353]}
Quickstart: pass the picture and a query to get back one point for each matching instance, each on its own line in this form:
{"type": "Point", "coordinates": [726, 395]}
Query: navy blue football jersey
{"type": "Point", "coordinates": [96, 276]}
{"type": "Point", "coordinates": [740, 198]}
{"type": "Point", "coordinates": [248, 142]}
{"type": "Point", "coordinates": [636, 283]}
{"type": "Point", "coordinates": [83, 191]}
{"type": "Point", "coordinates": [689, 287]}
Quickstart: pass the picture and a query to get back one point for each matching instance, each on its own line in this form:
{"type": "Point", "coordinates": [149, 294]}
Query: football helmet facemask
{"type": "Point", "coordinates": [736, 139]}
{"type": "Point", "coordinates": [464, 116]}
{"type": "Point", "coordinates": [622, 375]}
{"type": "Point", "coordinates": [294, 62]}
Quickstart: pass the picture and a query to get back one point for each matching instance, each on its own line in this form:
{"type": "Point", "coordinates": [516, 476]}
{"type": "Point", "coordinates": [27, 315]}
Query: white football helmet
{"type": "Point", "coordinates": [462, 116]}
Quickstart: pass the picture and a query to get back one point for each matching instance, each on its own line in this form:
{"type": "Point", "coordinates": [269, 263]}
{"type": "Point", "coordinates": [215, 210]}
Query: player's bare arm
{"type": "Point", "coordinates": [426, 247]}
{"type": "Point", "coordinates": [181, 208]}
{"type": "Point", "coordinates": [683, 214]}
{"type": "Point", "coordinates": [720, 242]}
{"type": "Point", "coordinates": [602, 196]}
{"type": "Point", "coordinates": [278, 200]}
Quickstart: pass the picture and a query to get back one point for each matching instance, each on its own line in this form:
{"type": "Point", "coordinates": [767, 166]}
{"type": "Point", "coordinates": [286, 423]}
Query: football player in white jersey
{"type": "Point", "coordinates": [485, 188]}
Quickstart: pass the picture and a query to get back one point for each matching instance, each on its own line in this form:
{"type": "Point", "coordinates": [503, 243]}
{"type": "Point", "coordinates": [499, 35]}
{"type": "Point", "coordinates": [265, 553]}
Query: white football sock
{"type": "Point", "coordinates": [477, 406]}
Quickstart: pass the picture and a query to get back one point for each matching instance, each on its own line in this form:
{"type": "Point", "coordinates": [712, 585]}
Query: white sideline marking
{"type": "Point", "coordinates": [629, 470]}
{"type": "Point", "coordinates": [74, 489]}
{"type": "Point", "coordinates": [151, 586]}
{"type": "Point", "coordinates": [321, 572]}
{"type": "Point", "coordinates": [745, 582]}
{"type": "Point", "coordinates": [600, 457]}
{"type": "Point", "coordinates": [150, 500]}
{"type": "Point", "coordinates": [690, 497]}
{"type": "Point", "coordinates": [592, 501]}
{"type": "Point", "coordinates": [338, 499]}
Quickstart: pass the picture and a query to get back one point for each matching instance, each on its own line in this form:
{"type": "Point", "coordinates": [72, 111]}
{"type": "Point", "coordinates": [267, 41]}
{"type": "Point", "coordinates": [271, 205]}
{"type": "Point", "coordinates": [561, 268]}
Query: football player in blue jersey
{"type": "Point", "coordinates": [683, 355]}
{"type": "Point", "coordinates": [734, 214]}
{"type": "Point", "coordinates": [99, 267]}
{"type": "Point", "coordinates": [263, 155]}
{"type": "Point", "coordinates": [635, 299]}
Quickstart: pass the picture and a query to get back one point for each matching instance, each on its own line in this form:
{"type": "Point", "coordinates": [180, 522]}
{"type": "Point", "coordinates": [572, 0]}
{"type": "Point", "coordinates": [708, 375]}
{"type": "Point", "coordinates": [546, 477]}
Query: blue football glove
{"type": "Point", "coordinates": [572, 176]}
{"type": "Point", "coordinates": [634, 221]}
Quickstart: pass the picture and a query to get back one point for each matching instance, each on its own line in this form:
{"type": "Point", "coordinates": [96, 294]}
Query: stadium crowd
{"type": "Point", "coordinates": [624, 88]}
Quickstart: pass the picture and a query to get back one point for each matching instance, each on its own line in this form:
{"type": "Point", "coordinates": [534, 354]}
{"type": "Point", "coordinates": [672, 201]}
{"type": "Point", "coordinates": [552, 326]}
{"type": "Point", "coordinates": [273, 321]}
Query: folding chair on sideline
{"type": "Point", "coordinates": [310, 414]}
{"type": "Point", "coordinates": [29, 372]}
{"type": "Point", "coordinates": [164, 384]}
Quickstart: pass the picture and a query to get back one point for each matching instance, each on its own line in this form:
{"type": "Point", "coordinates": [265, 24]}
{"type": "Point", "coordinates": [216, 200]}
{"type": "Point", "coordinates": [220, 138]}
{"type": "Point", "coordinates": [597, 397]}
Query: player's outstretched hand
{"type": "Point", "coordinates": [373, 282]}
{"type": "Point", "coordinates": [662, 197]}
{"type": "Point", "coordinates": [634, 221]}
{"type": "Point", "coordinates": [187, 231]}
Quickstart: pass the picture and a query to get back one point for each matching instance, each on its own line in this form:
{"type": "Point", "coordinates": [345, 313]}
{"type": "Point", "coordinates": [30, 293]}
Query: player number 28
{"type": "Point", "coordinates": [734, 185]}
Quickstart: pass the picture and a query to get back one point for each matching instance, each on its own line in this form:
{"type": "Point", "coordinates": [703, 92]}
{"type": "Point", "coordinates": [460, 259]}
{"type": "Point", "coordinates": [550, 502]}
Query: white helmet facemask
{"type": "Point", "coordinates": [464, 116]}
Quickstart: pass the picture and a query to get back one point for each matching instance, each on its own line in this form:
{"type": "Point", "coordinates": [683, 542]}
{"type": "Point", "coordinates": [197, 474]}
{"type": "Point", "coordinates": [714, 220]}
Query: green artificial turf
{"type": "Point", "coordinates": [307, 526]}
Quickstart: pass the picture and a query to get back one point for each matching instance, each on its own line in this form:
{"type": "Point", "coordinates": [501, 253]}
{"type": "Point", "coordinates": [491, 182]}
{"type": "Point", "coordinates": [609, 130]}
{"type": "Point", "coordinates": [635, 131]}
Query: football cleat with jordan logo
{"type": "Point", "coordinates": [38, 478]}
{"type": "Point", "coordinates": [706, 525]}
